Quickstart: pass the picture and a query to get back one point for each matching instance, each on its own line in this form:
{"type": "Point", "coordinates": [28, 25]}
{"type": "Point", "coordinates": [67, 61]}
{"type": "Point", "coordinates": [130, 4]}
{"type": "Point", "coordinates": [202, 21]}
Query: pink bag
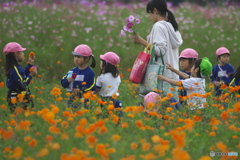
{"type": "Point", "coordinates": [140, 66]}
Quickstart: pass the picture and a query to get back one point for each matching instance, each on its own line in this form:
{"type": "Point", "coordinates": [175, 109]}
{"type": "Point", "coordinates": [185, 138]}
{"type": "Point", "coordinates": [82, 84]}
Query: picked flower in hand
{"type": "Point", "coordinates": [31, 54]}
{"type": "Point", "coordinates": [131, 26]}
{"type": "Point", "coordinates": [32, 68]}
{"type": "Point", "coordinates": [74, 75]}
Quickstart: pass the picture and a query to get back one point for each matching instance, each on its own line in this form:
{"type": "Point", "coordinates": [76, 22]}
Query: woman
{"type": "Point", "coordinates": [165, 37]}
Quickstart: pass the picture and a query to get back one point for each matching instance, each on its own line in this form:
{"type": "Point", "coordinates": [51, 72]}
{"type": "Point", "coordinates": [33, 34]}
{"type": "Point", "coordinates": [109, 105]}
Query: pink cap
{"type": "Point", "coordinates": [221, 51]}
{"type": "Point", "coordinates": [151, 97]}
{"type": "Point", "coordinates": [111, 57]}
{"type": "Point", "coordinates": [188, 53]}
{"type": "Point", "coordinates": [82, 50]}
{"type": "Point", "coordinates": [13, 47]}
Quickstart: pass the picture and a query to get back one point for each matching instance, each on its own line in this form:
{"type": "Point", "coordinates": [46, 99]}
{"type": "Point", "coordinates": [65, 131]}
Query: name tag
{"type": "Point", "coordinates": [222, 73]}
{"type": "Point", "coordinates": [79, 78]}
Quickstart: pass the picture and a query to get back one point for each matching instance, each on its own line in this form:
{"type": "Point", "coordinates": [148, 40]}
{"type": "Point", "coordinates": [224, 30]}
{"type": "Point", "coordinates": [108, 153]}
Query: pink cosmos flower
{"type": "Point", "coordinates": [131, 18]}
{"type": "Point", "coordinates": [129, 25]}
{"type": "Point", "coordinates": [123, 33]}
{"type": "Point", "coordinates": [137, 21]}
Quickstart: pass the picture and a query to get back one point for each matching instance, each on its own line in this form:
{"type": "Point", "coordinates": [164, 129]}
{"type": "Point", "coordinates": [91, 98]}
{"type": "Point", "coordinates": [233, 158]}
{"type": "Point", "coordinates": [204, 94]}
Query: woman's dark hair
{"type": "Point", "coordinates": [109, 68]}
{"type": "Point", "coordinates": [161, 6]}
{"type": "Point", "coordinates": [197, 65]}
{"type": "Point", "coordinates": [93, 64]}
{"type": "Point", "coordinates": [10, 62]}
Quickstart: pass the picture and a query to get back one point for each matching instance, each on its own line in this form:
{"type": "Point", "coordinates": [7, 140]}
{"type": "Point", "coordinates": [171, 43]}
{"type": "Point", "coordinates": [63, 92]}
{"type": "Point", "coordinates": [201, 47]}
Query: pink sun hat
{"type": "Point", "coordinates": [111, 57]}
{"type": "Point", "coordinates": [151, 97]}
{"type": "Point", "coordinates": [13, 47]}
{"type": "Point", "coordinates": [221, 51]}
{"type": "Point", "coordinates": [82, 50]}
{"type": "Point", "coordinates": [188, 53]}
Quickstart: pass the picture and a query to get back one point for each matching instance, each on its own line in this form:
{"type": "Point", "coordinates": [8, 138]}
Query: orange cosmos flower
{"type": "Point", "coordinates": [55, 146]}
{"type": "Point", "coordinates": [139, 123]}
{"type": "Point", "coordinates": [237, 106]}
{"type": "Point", "coordinates": [91, 139]}
{"type": "Point", "coordinates": [101, 150]}
{"type": "Point", "coordinates": [124, 125]}
{"type": "Point", "coordinates": [59, 99]}
{"type": "Point", "coordinates": [31, 54]}
{"type": "Point", "coordinates": [222, 146]}
{"type": "Point", "coordinates": [32, 143]}
{"type": "Point", "coordinates": [133, 146]}
{"type": "Point", "coordinates": [17, 153]}
{"type": "Point", "coordinates": [224, 115]}
{"type": "Point", "coordinates": [7, 134]}
{"type": "Point", "coordinates": [3, 106]}
{"type": "Point", "coordinates": [54, 130]}
{"type": "Point", "coordinates": [14, 100]}
{"type": "Point", "coordinates": [43, 152]}
{"type": "Point", "coordinates": [49, 138]}
{"type": "Point", "coordinates": [27, 138]}
{"type": "Point", "coordinates": [64, 136]}
{"type": "Point", "coordinates": [155, 139]}
{"type": "Point", "coordinates": [212, 134]}
{"type": "Point", "coordinates": [24, 125]}
{"type": "Point", "coordinates": [146, 146]}
{"type": "Point", "coordinates": [103, 130]}
{"type": "Point", "coordinates": [214, 122]}
{"type": "Point", "coordinates": [1, 84]}
{"type": "Point", "coordinates": [235, 137]}
{"type": "Point", "coordinates": [116, 137]}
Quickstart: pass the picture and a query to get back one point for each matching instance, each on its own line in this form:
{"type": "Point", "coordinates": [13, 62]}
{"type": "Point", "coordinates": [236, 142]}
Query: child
{"type": "Point", "coordinates": [109, 79]}
{"type": "Point", "coordinates": [153, 98]}
{"type": "Point", "coordinates": [221, 71]}
{"type": "Point", "coordinates": [187, 58]}
{"type": "Point", "coordinates": [81, 78]}
{"type": "Point", "coordinates": [18, 78]}
{"type": "Point", "coordinates": [195, 84]}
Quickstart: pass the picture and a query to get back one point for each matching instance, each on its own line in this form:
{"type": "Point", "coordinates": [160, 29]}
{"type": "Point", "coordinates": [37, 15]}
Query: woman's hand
{"type": "Point", "coordinates": [137, 39]}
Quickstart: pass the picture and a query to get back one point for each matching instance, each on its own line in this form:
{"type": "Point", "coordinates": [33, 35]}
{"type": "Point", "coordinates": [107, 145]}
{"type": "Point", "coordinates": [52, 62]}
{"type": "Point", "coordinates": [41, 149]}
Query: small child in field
{"type": "Point", "coordinates": [195, 84]}
{"type": "Point", "coordinates": [221, 72]}
{"type": "Point", "coordinates": [18, 78]}
{"type": "Point", "coordinates": [187, 58]}
{"type": "Point", "coordinates": [109, 80]}
{"type": "Point", "coordinates": [152, 98]}
{"type": "Point", "coordinates": [81, 78]}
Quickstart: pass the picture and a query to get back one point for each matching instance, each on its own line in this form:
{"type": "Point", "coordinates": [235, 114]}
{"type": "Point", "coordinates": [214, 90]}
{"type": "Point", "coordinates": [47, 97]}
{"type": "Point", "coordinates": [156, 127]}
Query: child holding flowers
{"type": "Point", "coordinates": [221, 72]}
{"type": "Point", "coordinates": [195, 84]}
{"type": "Point", "coordinates": [187, 58]}
{"type": "Point", "coordinates": [18, 78]}
{"type": "Point", "coordinates": [165, 37]}
{"type": "Point", "coordinates": [81, 78]}
{"type": "Point", "coordinates": [109, 80]}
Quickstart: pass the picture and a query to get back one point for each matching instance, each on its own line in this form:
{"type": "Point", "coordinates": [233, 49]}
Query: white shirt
{"type": "Point", "coordinates": [166, 40]}
{"type": "Point", "coordinates": [193, 86]}
{"type": "Point", "coordinates": [108, 84]}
